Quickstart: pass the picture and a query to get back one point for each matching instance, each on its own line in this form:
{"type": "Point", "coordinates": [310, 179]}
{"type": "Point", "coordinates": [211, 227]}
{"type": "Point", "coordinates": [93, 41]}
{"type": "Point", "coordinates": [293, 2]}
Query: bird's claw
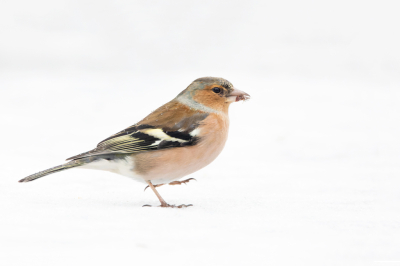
{"type": "Point", "coordinates": [173, 183]}
{"type": "Point", "coordinates": [181, 182]}
{"type": "Point", "coordinates": [170, 206]}
{"type": "Point", "coordinates": [159, 185]}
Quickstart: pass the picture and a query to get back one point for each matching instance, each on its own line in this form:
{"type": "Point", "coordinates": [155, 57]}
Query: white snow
{"type": "Point", "coordinates": [310, 172]}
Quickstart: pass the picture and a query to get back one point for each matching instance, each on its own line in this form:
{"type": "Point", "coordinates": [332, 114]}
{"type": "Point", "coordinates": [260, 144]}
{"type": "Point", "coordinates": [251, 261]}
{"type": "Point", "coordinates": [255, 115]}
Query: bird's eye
{"type": "Point", "coordinates": [216, 90]}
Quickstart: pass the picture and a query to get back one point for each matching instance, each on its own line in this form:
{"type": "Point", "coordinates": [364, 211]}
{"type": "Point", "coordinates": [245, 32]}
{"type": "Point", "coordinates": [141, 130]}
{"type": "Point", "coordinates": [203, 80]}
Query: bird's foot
{"type": "Point", "coordinates": [170, 206]}
{"type": "Point", "coordinates": [181, 182]}
{"type": "Point", "coordinates": [159, 185]}
{"type": "Point", "coordinates": [173, 183]}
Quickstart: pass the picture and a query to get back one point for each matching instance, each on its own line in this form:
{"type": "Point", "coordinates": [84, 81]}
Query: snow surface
{"type": "Point", "coordinates": [310, 172]}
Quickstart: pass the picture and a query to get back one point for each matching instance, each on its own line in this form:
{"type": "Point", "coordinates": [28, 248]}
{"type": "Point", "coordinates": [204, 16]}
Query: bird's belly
{"type": "Point", "coordinates": [172, 164]}
{"type": "Point", "coordinates": [123, 167]}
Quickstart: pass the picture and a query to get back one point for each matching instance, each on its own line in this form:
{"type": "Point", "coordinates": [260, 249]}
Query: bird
{"type": "Point", "coordinates": [177, 139]}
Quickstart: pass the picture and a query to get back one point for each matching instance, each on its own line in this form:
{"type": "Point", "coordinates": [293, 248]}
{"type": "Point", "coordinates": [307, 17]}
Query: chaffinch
{"type": "Point", "coordinates": [179, 138]}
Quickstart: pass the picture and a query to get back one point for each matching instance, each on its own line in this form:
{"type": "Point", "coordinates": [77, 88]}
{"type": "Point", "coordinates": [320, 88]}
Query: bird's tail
{"type": "Point", "coordinates": [69, 165]}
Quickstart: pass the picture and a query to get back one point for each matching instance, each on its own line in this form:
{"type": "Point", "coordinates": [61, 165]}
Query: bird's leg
{"type": "Point", "coordinates": [163, 203]}
{"type": "Point", "coordinates": [181, 182]}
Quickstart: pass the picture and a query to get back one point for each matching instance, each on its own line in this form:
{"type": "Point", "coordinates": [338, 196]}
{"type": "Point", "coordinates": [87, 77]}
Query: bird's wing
{"type": "Point", "coordinates": [169, 132]}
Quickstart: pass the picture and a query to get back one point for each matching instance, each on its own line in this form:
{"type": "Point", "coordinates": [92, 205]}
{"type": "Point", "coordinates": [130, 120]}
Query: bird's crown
{"type": "Point", "coordinates": [204, 82]}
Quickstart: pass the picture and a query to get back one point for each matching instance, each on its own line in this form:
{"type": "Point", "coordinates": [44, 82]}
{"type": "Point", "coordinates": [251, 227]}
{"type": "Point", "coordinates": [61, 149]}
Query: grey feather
{"type": "Point", "coordinates": [53, 170]}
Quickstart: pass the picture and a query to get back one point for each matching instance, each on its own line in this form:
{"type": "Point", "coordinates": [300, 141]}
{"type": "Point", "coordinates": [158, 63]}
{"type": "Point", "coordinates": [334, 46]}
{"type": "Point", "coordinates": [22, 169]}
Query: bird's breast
{"type": "Point", "coordinates": [171, 164]}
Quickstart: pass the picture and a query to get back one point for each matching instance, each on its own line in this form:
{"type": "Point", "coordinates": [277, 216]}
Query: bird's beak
{"type": "Point", "coordinates": [237, 95]}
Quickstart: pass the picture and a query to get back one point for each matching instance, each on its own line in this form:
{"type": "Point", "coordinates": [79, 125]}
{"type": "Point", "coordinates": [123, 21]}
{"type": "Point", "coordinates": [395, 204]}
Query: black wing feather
{"type": "Point", "coordinates": [138, 138]}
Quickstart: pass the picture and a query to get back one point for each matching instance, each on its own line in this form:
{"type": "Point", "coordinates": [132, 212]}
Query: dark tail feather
{"type": "Point", "coordinates": [53, 170]}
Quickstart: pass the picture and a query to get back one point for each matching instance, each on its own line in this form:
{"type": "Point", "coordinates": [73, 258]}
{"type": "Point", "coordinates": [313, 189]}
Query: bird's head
{"type": "Point", "coordinates": [214, 93]}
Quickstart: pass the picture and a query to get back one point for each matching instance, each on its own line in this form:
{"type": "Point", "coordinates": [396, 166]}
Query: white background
{"type": "Point", "coordinates": [310, 172]}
